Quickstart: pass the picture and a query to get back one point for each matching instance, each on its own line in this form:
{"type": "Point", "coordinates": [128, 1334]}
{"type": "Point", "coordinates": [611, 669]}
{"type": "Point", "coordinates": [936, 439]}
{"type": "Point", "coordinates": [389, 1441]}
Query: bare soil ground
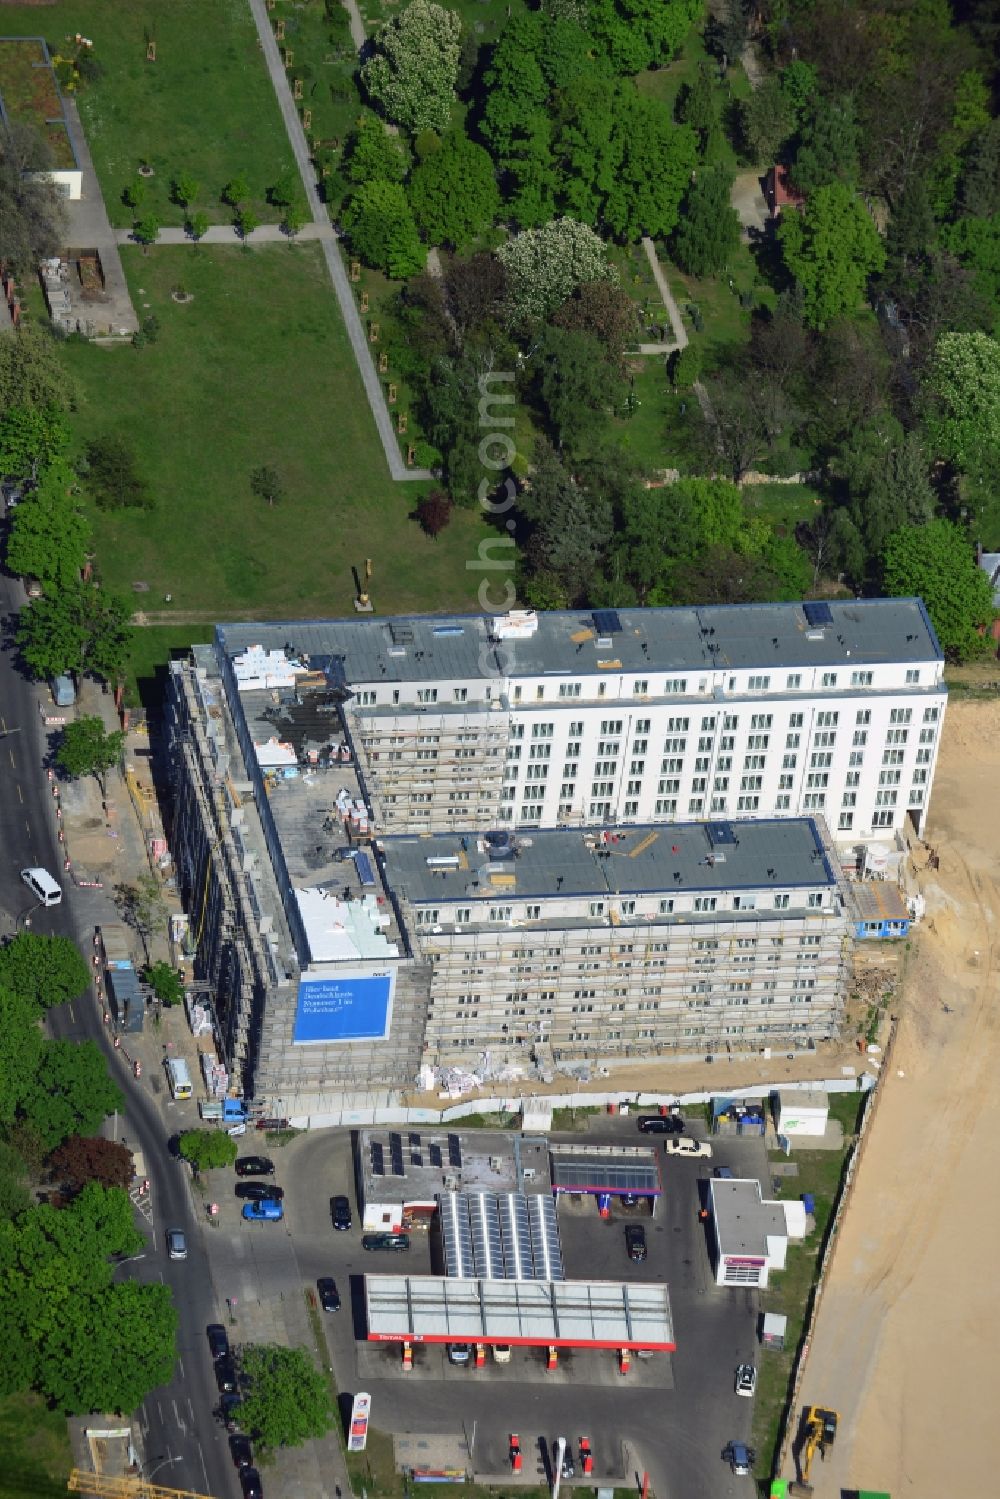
{"type": "Point", "coordinates": [905, 1344]}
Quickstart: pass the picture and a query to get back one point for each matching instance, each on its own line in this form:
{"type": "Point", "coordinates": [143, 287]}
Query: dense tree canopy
{"type": "Point", "coordinates": [545, 266]}
{"type": "Point", "coordinates": [453, 193]}
{"type": "Point", "coordinates": [288, 1400]}
{"type": "Point", "coordinates": [208, 1148]}
{"type": "Point", "coordinates": [80, 629]}
{"type": "Point", "coordinates": [412, 71]}
{"type": "Point", "coordinates": [49, 535]}
{"type": "Point", "coordinates": [43, 971]}
{"type": "Point", "coordinates": [937, 563]}
{"type": "Point", "coordinates": [32, 214]}
{"type": "Point", "coordinates": [964, 386]}
{"type": "Point", "coordinates": [71, 1091]}
{"type": "Point", "coordinates": [831, 248]}
{"type": "Point", "coordinates": [381, 229]}
{"type": "Point", "coordinates": [708, 234]}
{"type": "Point", "coordinates": [87, 748]}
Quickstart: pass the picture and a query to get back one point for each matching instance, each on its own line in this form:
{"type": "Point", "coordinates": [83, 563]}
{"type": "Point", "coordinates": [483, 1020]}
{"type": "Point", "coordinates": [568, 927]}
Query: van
{"type": "Point", "coordinates": [63, 692]}
{"type": "Point", "coordinates": [501, 1353]}
{"type": "Point", "coordinates": [179, 1078]}
{"type": "Point", "coordinates": [47, 891]}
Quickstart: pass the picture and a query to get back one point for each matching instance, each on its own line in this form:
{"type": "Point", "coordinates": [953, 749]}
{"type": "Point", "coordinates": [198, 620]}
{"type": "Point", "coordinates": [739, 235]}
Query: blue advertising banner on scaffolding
{"type": "Point", "coordinates": [349, 1006]}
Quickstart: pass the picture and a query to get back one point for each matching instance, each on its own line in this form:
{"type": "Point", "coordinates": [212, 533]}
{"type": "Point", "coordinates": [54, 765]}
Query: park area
{"type": "Point", "coordinates": [205, 106]}
{"type": "Point", "coordinates": [253, 368]}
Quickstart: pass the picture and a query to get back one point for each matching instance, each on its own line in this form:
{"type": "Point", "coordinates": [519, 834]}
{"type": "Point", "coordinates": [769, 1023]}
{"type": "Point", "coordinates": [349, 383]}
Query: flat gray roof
{"type": "Point", "coordinates": [743, 1219]}
{"type": "Point", "coordinates": [605, 1168]}
{"type": "Point", "coordinates": [584, 642]}
{"type": "Point", "coordinates": [563, 862]}
{"type": "Point", "coordinates": [478, 1160]}
{"type": "Point", "coordinates": [556, 1313]}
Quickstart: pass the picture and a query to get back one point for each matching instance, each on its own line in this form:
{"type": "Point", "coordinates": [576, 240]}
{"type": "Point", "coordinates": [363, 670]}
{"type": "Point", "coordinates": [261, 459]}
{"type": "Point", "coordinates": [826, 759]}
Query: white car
{"type": "Point", "coordinates": [746, 1380]}
{"type": "Point", "coordinates": [682, 1145]}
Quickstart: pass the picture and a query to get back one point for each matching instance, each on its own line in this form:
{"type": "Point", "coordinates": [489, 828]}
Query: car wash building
{"type": "Point", "coordinates": [750, 1234]}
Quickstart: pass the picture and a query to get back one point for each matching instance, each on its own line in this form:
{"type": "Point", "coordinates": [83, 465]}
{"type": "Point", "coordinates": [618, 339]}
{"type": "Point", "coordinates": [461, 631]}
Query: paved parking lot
{"type": "Point", "coordinates": [686, 1410]}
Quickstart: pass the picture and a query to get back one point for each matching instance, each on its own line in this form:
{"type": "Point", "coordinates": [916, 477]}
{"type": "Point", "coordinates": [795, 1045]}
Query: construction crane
{"type": "Point", "coordinates": [107, 1487]}
{"type": "Point", "coordinates": [819, 1431]}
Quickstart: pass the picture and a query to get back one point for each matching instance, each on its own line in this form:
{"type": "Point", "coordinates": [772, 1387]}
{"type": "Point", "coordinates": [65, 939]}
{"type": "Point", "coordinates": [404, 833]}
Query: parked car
{"type": "Point", "coordinates": [177, 1248]}
{"type": "Point", "coordinates": [254, 1165]}
{"type": "Point", "coordinates": [329, 1296]}
{"type": "Point", "coordinates": [218, 1340]}
{"type": "Point", "coordinates": [265, 1211]}
{"type": "Point", "coordinates": [685, 1146]}
{"type": "Point", "coordinates": [459, 1353]}
{"type": "Point", "coordinates": [229, 1406]}
{"type": "Point", "coordinates": [340, 1212]}
{"type": "Point", "coordinates": [740, 1458]}
{"type": "Point", "coordinates": [251, 1484]}
{"type": "Point", "coordinates": [660, 1124]}
{"type": "Point", "coordinates": [746, 1380]}
{"type": "Point", "coordinates": [385, 1241]}
{"type": "Point", "coordinates": [501, 1353]}
{"type": "Point", "coordinates": [635, 1242]}
{"type": "Point", "coordinates": [257, 1191]}
{"type": "Point", "coordinates": [225, 1375]}
{"type": "Point", "coordinates": [240, 1450]}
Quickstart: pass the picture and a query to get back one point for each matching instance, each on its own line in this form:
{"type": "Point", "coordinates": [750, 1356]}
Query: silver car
{"type": "Point", "coordinates": [177, 1248]}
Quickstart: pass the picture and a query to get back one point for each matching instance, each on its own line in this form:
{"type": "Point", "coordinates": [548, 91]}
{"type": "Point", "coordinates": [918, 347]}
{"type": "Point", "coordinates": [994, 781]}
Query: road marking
{"type": "Point", "coordinates": [28, 826]}
{"type": "Point", "coordinates": [71, 1014]}
{"type": "Point", "coordinates": [182, 1426]}
{"type": "Point", "coordinates": [203, 1468]}
{"type": "Point", "coordinates": [19, 796]}
{"type": "Point", "coordinates": [180, 1365]}
{"type": "Point", "coordinates": [12, 760]}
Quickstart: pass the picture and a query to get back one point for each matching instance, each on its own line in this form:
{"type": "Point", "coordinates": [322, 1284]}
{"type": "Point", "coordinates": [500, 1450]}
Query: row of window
{"type": "Point", "coordinates": [640, 687]}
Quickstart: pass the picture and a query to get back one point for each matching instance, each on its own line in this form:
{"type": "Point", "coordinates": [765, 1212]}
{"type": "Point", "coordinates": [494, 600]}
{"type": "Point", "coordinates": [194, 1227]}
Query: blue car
{"type": "Point", "coordinates": [256, 1212]}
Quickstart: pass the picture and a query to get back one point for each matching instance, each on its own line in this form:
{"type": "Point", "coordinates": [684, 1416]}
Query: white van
{"type": "Point", "coordinates": [179, 1078]}
{"type": "Point", "coordinates": [41, 884]}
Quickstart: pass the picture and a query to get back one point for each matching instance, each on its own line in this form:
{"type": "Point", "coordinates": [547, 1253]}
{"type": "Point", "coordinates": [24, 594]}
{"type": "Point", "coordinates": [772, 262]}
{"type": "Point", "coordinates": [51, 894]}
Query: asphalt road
{"type": "Point", "coordinates": [184, 1445]}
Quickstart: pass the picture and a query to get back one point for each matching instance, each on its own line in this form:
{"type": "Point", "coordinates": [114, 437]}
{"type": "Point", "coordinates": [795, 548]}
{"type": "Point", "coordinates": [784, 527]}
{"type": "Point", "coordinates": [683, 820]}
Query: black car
{"type": "Point", "coordinates": [254, 1165]}
{"type": "Point", "coordinates": [340, 1212]}
{"type": "Point", "coordinates": [251, 1484]}
{"type": "Point", "coordinates": [385, 1241]}
{"type": "Point", "coordinates": [218, 1340]}
{"type": "Point", "coordinates": [229, 1408]}
{"type": "Point", "coordinates": [635, 1242]}
{"type": "Point", "coordinates": [225, 1375]}
{"type": "Point", "coordinates": [240, 1450]}
{"type": "Point", "coordinates": [660, 1124]}
{"type": "Point", "coordinates": [257, 1192]}
{"type": "Point", "coordinates": [329, 1296]}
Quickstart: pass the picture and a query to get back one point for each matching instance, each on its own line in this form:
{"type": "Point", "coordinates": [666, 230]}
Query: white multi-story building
{"type": "Point", "coordinates": [602, 834]}
{"type": "Point", "coordinates": [647, 715]}
{"type": "Point", "coordinates": [623, 943]}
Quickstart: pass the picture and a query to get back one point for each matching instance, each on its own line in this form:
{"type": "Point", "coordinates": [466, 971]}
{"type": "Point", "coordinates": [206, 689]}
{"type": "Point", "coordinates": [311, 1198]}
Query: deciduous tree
{"type": "Point", "coordinates": [288, 1400]}
{"type": "Point", "coordinates": [32, 214]}
{"type": "Point", "coordinates": [371, 154]}
{"type": "Point", "coordinates": [603, 310]}
{"type": "Point", "coordinates": [43, 971]}
{"type": "Point", "coordinates": [208, 1149]}
{"type": "Point", "coordinates": [31, 437]}
{"type": "Point", "coordinates": [545, 266]}
{"type": "Point", "coordinates": [434, 511]}
{"type": "Point", "coordinates": [20, 1051]}
{"type": "Point", "coordinates": [86, 748]}
{"type": "Point", "coordinates": [185, 189]}
{"type": "Point", "coordinates": [85, 1158]}
{"type": "Point", "coordinates": [963, 420]}
{"type": "Point", "coordinates": [32, 374]}
{"type": "Point", "coordinates": [576, 383]}
{"type": "Point", "coordinates": [831, 248]}
{"type": "Point", "coordinates": [936, 562]}
{"type": "Point", "coordinates": [113, 475]}
{"type": "Point", "coordinates": [453, 194]}
{"type": "Point", "coordinates": [141, 907]}
{"type": "Point", "coordinates": [266, 484]}
{"type": "Point", "coordinates": [80, 629]}
{"type": "Point", "coordinates": [412, 72]}
{"type": "Point", "coordinates": [71, 1092]}
{"type": "Point", "coordinates": [165, 984]}
{"type": "Point", "coordinates": [49, 535]}
{"type": "Point", "coordinates": [381, 229]}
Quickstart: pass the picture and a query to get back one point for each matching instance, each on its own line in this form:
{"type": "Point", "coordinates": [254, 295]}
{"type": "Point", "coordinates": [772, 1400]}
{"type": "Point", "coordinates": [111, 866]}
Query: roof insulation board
{"type": "Point", "coordinates": [535, 1313]}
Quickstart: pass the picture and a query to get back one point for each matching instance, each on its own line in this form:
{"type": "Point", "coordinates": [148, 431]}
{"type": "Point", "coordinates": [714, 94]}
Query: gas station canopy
{"type": "Point", "coordinates": [534, 1313]}
{"type": "Point", "coordinates": [614, 1169]}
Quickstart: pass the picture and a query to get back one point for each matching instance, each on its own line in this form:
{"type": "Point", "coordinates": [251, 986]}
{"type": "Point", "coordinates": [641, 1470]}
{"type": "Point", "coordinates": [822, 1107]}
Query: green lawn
{"type": "Point", "coordinates": [324, 60]}
{"type": "Point", "coordinates": [205, 105]}
{"type": "Point", "coordinates": [35, 1447]}
{"type": "Point", "coordinates": [256, 369]}
{"type": "Point", "coordinates": [783, 506]}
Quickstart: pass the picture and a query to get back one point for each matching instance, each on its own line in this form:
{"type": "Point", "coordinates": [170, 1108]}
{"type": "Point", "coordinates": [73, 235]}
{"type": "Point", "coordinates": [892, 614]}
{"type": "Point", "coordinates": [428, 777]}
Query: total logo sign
{"type": "Point", "coordinates": [360, 1411]}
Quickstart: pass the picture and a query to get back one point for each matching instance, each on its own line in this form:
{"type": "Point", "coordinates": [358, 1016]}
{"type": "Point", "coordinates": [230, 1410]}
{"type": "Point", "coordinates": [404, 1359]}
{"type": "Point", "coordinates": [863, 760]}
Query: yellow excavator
{"type": "Point", "coordinates": [818, 1433]}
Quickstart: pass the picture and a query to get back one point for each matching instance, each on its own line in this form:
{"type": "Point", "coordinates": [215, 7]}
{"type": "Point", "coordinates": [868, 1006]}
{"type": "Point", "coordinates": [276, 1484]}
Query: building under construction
{"type": "Point", "coordinates": [342, 955]}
